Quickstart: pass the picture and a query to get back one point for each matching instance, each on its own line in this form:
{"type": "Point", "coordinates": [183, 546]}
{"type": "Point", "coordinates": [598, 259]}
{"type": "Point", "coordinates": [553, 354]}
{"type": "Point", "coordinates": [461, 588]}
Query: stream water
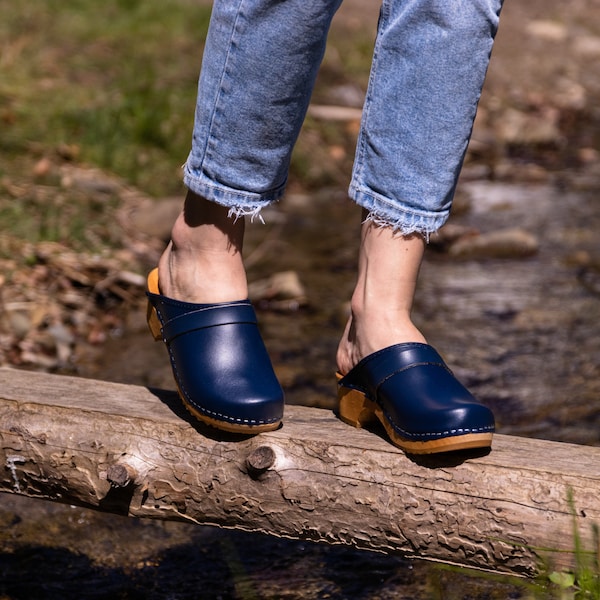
{"type": "Point", "coordinates": [521, 332]}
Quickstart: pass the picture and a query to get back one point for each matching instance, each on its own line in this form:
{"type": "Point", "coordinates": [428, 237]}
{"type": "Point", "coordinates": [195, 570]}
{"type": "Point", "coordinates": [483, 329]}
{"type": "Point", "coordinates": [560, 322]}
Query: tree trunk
{"type": "Point", "coordinates": [134, 451]}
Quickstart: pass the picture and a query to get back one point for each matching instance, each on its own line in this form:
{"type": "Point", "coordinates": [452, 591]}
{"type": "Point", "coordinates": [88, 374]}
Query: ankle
{"type": "Point", "coordinates": [205, 226]}
{"type": "Point", "coordinates": [368, 331]}
{"type": "Point", "coordinates": [203, 262]}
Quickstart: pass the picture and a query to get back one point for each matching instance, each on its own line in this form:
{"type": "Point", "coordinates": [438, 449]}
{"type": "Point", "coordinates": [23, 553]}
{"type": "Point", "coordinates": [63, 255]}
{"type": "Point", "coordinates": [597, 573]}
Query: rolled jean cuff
{"type": "Point", "coordinates": [241, 203]}
{"type": "Point", "coordinates": [403, 219]}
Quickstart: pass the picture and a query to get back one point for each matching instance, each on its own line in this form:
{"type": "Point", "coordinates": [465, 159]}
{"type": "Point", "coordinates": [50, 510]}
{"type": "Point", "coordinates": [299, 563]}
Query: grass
{"type": "Point", "coordinates": [102, 84]}
{"type": "Point", "coordinates": [583, 582]}
{"type": "Point", "coordinates": [115, 79]}
{"type": "Point", "coordinates": [113, 85]}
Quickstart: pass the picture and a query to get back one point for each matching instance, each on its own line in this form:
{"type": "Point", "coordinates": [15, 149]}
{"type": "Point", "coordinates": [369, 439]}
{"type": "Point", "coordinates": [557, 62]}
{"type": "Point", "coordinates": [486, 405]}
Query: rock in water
{"type": "Point", "coordinates": [506, 243]}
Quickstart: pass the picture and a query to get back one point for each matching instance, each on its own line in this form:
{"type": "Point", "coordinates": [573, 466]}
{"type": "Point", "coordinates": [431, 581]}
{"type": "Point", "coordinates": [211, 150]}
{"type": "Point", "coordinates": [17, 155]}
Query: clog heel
{"type": "Point", "coordinates": [354, 408]}
{"type": "Point", "coordinates": [220, 364]}
{"type": "Point", "coordinates": [424, 409]}
{"type": "Point", "coordinates": [151, 315]}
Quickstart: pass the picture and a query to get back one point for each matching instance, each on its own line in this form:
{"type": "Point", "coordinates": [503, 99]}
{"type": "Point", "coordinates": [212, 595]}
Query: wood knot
{"type": "Point", "coordinates": [260, 460]}
{"type": "Point", "coordinates": [119, 475]}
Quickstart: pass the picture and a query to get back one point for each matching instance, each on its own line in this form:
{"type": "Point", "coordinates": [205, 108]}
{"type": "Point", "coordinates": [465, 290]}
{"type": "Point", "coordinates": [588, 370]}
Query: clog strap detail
{"type": "Point", "coordinates": [210, 316]}
{"type": "Point", "coordinates": [371, 372]}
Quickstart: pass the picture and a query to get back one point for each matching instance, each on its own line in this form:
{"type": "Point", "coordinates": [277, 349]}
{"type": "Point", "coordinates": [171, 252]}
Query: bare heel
{"type": "Point", "coordinates": [355, 408]}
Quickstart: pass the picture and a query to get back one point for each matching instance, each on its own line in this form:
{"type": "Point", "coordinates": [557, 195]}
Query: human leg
{"type": "Point", "coordinates": [258, 71]}
{"type": "Point", "coordinates": [203, 261]}
{"type": "Point", "coordinates": [259, 66]}
{"type": "Point", "coordinates": [429, 66]}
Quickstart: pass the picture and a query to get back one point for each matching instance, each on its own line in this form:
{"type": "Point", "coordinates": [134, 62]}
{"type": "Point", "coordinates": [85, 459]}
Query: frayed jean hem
{"type": "Point", "coordinates": [241, 203]}
{"type": "Point", "coordinates": [403, 220]}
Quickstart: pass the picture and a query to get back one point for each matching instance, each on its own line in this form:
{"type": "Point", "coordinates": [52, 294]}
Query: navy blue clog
{"type": "Point", "coordinates": [415, 396]}
{"type": "Point", "coordinates": [220, 364]}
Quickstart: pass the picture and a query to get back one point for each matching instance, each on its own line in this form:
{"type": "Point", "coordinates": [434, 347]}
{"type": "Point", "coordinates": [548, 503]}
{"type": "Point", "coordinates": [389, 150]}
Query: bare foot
{"type": "Point", "coordinates": [382, 300]}
{"type": "Point", "coordinates": [363, 336]}
{"type": "Point", "coordinates": [203, 262]}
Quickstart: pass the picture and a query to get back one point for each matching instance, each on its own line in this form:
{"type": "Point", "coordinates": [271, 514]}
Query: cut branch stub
{"type": "Point", "coordinates": [260, 460]}
{"type": "Point", "coordinates": [120, 475]}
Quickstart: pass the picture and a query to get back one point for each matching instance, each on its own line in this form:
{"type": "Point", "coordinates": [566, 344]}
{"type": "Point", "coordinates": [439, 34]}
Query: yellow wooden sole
{"type": "Point", "coordinates": [241, 428]}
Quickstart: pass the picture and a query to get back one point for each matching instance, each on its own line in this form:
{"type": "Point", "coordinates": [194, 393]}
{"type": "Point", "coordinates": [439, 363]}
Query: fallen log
{"type": "Point", "coordinates": [134, 451]}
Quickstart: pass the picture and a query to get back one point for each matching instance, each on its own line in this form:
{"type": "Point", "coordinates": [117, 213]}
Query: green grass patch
{"type": "Point", "coordinates": [113, 85]}
{"type": "Point", "coordinates": [117, 79]}
{"type": "Point", "coordinates": [583, 582]}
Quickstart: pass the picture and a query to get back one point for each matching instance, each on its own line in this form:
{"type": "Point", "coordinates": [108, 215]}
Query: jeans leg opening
{"type": "Point", "coordinates": [404, 219]}
{"type": "Point", "coordinates": [241, 212]}
{"type": "Point", "coordinates": [398, 227]}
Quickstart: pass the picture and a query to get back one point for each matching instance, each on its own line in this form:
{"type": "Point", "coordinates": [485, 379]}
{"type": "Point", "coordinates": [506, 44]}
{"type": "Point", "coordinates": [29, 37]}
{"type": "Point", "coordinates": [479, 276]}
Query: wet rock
{"type": "Point", "coordinates": [155, 218]}
{"type": "Point", "coordinates": [587, 46]}
{"type": "Point", "coordinates": [548, 30]}
{"type": "Point", "coordinates": [281, 291]}
{"type": "Point", "coordinates": [588, 156]}
{"type": "Point", "coordinates": [507, 243]}
{"type": "Point", "coordinates": [541, 127]}
{"type": "Point", "coordinates": [570, 95]}
{"type": "Point", "coordinates": [450, 234]}
{"type": "Point", "coordinates": [525, 172]}
{"type": "Point", "coordinates": [63, 341]}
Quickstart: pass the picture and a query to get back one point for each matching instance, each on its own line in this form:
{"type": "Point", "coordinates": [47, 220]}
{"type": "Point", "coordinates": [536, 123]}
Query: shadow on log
{"type": "Point", "coordinates": [134, 451]}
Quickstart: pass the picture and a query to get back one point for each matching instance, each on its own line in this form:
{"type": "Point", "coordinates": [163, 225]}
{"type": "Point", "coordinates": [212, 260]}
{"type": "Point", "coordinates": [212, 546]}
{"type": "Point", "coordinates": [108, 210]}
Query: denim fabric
{"type": "Point", "coordinates": [258, 71]}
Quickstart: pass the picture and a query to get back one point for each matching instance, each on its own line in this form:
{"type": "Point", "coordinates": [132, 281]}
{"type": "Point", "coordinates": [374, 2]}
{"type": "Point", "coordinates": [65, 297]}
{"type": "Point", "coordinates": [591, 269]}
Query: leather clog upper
{"type": "Point", "coordinates": [219, 361]}
{"type": "Point", "coordinates": [418, 394]}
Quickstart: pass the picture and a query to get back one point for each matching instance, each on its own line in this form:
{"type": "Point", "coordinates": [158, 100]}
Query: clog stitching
{"type": "Point", "coordinates": [436, 434]}
{"type": "Point", "coordinates": [210, 413]}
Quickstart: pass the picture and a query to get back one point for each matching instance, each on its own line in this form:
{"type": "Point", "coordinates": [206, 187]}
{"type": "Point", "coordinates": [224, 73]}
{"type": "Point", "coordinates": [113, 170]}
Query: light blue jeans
{"type": "Point", "coordinates": [259, 66]}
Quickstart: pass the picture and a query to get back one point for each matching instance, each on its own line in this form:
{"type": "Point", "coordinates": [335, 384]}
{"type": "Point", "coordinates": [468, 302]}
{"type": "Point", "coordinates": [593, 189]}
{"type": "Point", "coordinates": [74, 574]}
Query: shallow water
{"type": "Point", "coordinates": [522, 333]}
{"type": "Point", "coordinates": [146, 560]}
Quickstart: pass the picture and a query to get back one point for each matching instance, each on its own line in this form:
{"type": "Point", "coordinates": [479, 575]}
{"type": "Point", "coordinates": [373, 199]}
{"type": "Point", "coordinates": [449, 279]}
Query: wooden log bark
{"type": "Point", "coordinates": [134, 451]}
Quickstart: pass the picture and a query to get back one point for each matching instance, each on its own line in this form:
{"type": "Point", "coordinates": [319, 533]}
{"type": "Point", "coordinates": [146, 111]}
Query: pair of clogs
{"type": "Point", "coordinates": [225, 378]}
